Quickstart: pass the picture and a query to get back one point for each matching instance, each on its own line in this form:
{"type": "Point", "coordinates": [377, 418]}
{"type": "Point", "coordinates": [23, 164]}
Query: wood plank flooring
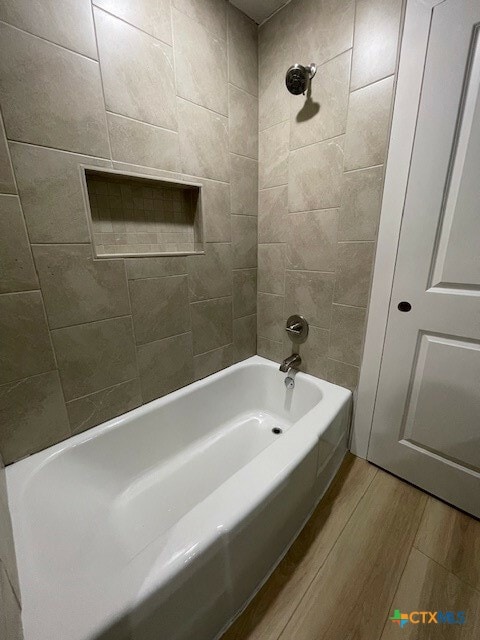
{"type": "Point", "coordinates": [374, 544]}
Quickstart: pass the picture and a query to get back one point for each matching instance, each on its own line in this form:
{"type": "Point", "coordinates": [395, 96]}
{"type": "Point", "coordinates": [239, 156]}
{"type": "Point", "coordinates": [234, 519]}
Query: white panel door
{"type": "Point", "coordinates": [426, 423]}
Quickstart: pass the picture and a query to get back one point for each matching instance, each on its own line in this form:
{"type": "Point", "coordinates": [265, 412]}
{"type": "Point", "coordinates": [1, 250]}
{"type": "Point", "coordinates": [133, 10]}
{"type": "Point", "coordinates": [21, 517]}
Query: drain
{"type": "Point", "coordinates": [276, 430]}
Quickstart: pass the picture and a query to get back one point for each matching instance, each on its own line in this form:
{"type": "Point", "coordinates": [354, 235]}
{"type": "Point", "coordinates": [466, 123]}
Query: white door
{"type": "Point", "coordinates": [426, 423]}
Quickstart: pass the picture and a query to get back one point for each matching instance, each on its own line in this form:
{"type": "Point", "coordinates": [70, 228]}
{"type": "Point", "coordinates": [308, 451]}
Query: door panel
{"type": "Point", "coordinates": [444, 403]}
{"type": "Point", "coordinates": [458, 257]}
{"type": "Point", "coordinates": [426, 424]}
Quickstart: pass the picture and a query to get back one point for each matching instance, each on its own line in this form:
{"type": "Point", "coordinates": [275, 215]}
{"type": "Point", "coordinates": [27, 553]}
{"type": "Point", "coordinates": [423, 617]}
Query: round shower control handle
{"type": "Point", "coordinates": [297, 329]}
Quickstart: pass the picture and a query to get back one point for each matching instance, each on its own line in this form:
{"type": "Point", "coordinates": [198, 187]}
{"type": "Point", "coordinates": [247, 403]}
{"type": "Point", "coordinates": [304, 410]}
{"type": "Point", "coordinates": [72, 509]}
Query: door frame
{"type": "Point", "coordinates": [413, 51]}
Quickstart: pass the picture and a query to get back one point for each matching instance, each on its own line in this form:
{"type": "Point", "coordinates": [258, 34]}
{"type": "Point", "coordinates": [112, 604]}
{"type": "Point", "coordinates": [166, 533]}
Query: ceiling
{"type": "Point", "coordinates": [259, 10]}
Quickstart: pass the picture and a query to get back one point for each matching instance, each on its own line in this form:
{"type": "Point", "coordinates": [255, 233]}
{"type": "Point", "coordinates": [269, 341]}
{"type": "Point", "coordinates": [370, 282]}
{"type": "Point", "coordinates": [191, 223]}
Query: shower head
{"type": "Point", "coordinates": [298, 78]}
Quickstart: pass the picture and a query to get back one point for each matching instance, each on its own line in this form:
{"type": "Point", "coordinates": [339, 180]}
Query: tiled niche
{"type": "Point", "coordinates": [132, 215]}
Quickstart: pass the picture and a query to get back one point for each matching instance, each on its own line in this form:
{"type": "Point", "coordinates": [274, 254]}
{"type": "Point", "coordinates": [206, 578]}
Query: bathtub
{"type": "Point", "coordinates": [162, 524]}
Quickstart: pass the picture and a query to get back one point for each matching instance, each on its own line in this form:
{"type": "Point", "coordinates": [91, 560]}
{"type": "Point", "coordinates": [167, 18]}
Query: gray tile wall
{"type": "Point", "coordinates": [321, 175]}
{"type": "Point", "coordinates": [10, 604]}
{"type": "Point", "coordinates": [165, 88]}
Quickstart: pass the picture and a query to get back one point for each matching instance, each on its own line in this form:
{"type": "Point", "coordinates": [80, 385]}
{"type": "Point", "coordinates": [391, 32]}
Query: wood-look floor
{"type": "Point", "coordinates": [374, 544]}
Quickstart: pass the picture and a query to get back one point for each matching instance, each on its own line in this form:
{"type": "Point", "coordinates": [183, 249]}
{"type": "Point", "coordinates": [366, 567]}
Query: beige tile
{"type": "Point", "coordinates": [210, 275]}
{"type": "Point", "coordinates": [76, 288]}
{"type": "Point", "coordinates": [10, 614]}
{"type": "Point", "coordinates": [271, 318]}
{"type": "Point", "coordinates": [345, 375]}
{"type": "Point", "coordinates": [270, 610]}
{"type": "Point", "coordinates": [346, 334]}
{"type": "Point", "coordinates": [273, 155]}
{"type": "Point", "coordinates": [309, 294]}
{"type": "Point", "coordinates": [323, 29]}
{"type": "Point", "coordinates": [354, 273]}
{"type": "Point", "coordinates": [201, 131]}
{"type": "Point", "coordinates": [242, 122]}
{"type": "Point", "coordinates": [361, 202]}
{"type": "Point", "coordinates": [425, 581]}
{"type": "Point", "coordinates": [51, 192]}
{"type": "Point", "coordinates": [273, 105]}
{"type": "Point", "coordinates": [271, 268]}
{"type": "Point", "coordinates": [377, 26]}
{"type": "Point", "coordinates": [87, 412]}
{"type": "Point", "coordinates": [272, 210]}
{"type": "Point", "coordinates": [211, 324]}
{"type": "Point", "coordinates": [270, 349]}
{"type": "Point", "coordinates": [50, 96]}
{"type": "Point", "coordinates": [312, 240]}
{"type": "Point", "coordinates": [243, 185]}
{"type": "Point", "coordinates": [242, 51]}
{"type": "Point", "coordinates": [211, 13]}
{"type": "Point", "coordinates": [17, 272]}
{"type": "Point", "coordinates": [315, 176]}
{"type": "Point", "coordinates": [33, 415]}
{"type": "Point", "coordinates": [244, 242]}
{"type": "Point", "coordinates": [68, 23]}
{"type": "Point", "coordinates": [152, 16]}
{"type": "Point", "coordinates": [155, 267]}
{"type": "Point", "coordinates": [244, 338]}
{"type": "Point", "coordinates": [368, 125]}
{"type": "Point", "coordinates": [159, 307]}
{"type": "Point", "coordinates": [142, 144]}
{"type": "Point", "coordinates": [133, 59]}
{"type": "Point", "coordinates": [165, 365]}
{"type": "Point", "coordinates": [25, 347]}
{"type": "Point", "coordinates": [452, 539]}
{"type": "Point", "coordinates": [323, 114]}
{"type": "Point", "coordinates": [7, 181]}
{"type": "Point", "coordinates": [244, 292]}
{"type": "Point", "coordinates": [200, 64]}
{"type": "Point", "coordinates": [212, 361]}
{"type": "Point", "coordinates": [95, 356]}
{"type": "Point", "coordinates": [7, 547]}
{"type": "Point", "coordinates": [351, 594]}
{"type": "Point", "coordinates": [216, 211]}
{"type": "Point", "coordinates": [274, 58]}
{"type": "Point", "coordinates": [314, 352]}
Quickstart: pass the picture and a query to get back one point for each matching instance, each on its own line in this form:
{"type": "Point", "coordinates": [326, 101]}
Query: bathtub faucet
{"type": "Point", "coordinates": [292, 362]}
{"type": "Point", "coordinates": [290, 367]}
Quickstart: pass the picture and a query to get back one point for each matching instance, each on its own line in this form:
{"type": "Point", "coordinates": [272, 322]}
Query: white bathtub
{"type": "Point", "coordinates": [162, 523]}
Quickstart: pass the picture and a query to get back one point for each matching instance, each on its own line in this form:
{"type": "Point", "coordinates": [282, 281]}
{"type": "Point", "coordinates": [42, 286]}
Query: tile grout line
{"type": "Point", "coordinates": [201, 106]}
{"type": "Point", "coordinates": [148, 124]}
{"type": "Point", "coordinates": [331, 549]}
{"type": "Point", "coordinates": [129, 24]}
{"type": "Point", "coordinates": [112, 386]}
{"type": "Point", "coordinates": [132, 325]}
{"type": "Point", "coordinates": [369, 84]}
{"type": "Point", "coordinates": [107, 128]}
{"type": "Point", "coordinates": [60, 150]}
{"type": "Point", "coordinates": [51, 42]}
{"type": "Point", "coordinates": [83, 324]}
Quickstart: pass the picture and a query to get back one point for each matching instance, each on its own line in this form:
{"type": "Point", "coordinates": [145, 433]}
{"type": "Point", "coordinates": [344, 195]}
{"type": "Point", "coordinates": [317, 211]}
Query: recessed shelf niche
{"type": "Point", "coordinates": [137, 215]}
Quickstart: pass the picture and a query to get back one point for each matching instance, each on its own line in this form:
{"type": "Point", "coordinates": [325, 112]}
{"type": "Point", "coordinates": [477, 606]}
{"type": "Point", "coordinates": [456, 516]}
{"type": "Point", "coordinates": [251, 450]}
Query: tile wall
{"type": "Point", "coordinates": [10, 608]}
{"type": "Point", "coordinates": [164, 88]}
{"type": "Point", "coordinates": [321, 172]}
